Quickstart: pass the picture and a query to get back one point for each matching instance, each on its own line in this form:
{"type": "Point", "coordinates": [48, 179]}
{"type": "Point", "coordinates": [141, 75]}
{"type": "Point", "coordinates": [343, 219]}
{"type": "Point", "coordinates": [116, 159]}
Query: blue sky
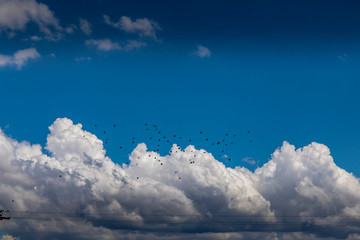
{"type": "Point", "coordinates": [265, 71]}
{"type": "Point", "coordinates": [285, 71]}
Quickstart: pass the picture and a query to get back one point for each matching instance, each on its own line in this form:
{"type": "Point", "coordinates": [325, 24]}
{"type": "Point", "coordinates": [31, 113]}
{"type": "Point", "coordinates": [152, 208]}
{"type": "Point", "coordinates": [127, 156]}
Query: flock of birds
{"type": "Point", "coordinates": [157, 139]}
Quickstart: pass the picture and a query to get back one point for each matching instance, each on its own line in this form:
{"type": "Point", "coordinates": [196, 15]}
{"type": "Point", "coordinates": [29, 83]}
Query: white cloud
{"type": "Point", "coordinates": [103, 44]}
{"type": "Point", "coordinates": [144, 199]}
{"type": "Point", "coordinates": [306, 182]}
{"type": "Point", "coordinates": [141, 26]}
{"type": "Point", "coordinates": [249, 160]}
{"type": "Point", "coordinates": [85, 26]}
{"type": "Point", "coordinates": [16, 14]}
{"type": "Point", "coordinates": [35, 38]}
{"type": "Point", "coordinates": [19, 59]}
{"type": "Point", "coordinates": [202, 52]}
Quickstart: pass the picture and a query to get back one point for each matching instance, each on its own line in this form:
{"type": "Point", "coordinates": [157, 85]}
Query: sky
{"type": "Point", "coordinates": [247, 105]}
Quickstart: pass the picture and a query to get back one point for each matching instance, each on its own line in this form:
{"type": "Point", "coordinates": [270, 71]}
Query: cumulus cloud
{"type": "Point", "coordinates": [141, 26]}
{"type": "Point", "coordinates": [19, 58]}
{"type": "Point", "coordinates": [103, 44]}
{"type": "Point", "coordinates": [75, 189]}
{"type": "Point", "coordinates": [85, 26]}
{"type": "Point", "coordinates": [202, 52]}
{"type": "Point", "coordinates": [16, 14]}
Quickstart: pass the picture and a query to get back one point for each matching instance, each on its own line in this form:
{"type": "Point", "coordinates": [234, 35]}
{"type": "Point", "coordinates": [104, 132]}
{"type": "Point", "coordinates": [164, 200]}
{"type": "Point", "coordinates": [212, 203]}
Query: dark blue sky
{"type": "Point", "coordinates": [286, 70]}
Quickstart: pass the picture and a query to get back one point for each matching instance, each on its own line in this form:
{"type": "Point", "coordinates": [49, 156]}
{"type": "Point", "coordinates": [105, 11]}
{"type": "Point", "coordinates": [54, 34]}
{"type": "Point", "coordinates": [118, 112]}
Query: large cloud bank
{"type": "Point", "coordinates": [75, 191]}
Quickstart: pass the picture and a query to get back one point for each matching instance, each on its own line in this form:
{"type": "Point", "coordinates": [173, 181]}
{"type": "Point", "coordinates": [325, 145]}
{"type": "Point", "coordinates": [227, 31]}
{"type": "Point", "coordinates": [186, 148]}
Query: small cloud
{"type": "Point", "coordinates": [70, 29]}
{"type": "Point", "coordinates": [19, 59]}
{"type": "Point", "coordinates": [134, 44]}
{"type": "Point", "coordinates": [202, 52]}
{"type": "Point", "coordinates": [343, 57]}
{"type": "Point", "coordinates": [52, 55]}
{"type": "Point", "coordinates": [35, 38]}
{"type": "Point", "coordinates": [80, 59]}
{"type": "Point", "coordinates": [103, 44]}
{"type": "Point", "coordinates": [11, 34]}
{"type": "Point", "coordinates": [249, 160]}
{"type": "Point", "coordinates": [141, 26]}
{"type": "Point", "coordinates": [85, 26]}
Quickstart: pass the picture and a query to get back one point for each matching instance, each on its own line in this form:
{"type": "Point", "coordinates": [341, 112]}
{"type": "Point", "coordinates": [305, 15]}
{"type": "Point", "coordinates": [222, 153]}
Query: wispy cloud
{"type": "Point", "coordinates": [249, 160]}
{"type": "Point", "coordinates": [343, 57]}
{"type": "Point", "coordinates": [80, 59]}
{"type": "Point", "coordinates": [16, 14]}
{"type": "Point", "coordinates": [109, 45]}
{"type": "Point", "coordinates": [19, 58]}
{"type": "Point", "coordinates": [103, 44]}
{"type": "Point", "coordinates": [85, 26]}
{"type": "Point", "coordinates": [134, 44]}
{"type": "Point", "coordinates": [202, 52]}
{"type": "Point", "coordinates": [141, 26]}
